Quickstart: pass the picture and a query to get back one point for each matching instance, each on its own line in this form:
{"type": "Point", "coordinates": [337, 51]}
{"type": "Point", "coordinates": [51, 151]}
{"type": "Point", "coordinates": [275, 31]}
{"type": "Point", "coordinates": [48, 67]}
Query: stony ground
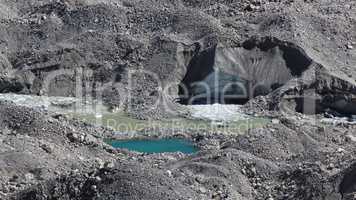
{"type": "Point", "coordinates": [96, 43]}
{"type": "Point", "coordinates": [45, 156]}
{"type": "Point", "coordinates": [104, 43]}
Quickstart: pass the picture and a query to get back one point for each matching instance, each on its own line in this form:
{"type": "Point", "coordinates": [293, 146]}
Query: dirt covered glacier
{"type": "Point", "coordinates": [297, 59]}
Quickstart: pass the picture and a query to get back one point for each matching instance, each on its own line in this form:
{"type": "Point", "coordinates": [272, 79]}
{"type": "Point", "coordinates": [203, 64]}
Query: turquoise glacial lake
{"type": "Point", "coordinates": [156, 146]}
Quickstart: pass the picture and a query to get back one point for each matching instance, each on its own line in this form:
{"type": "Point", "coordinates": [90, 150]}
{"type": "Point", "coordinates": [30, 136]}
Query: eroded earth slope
{"type": "Point", "coordinates": [303, 53]}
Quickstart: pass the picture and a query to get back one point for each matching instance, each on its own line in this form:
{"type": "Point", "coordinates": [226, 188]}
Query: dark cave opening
{"type": "Point", "coordinates": [347, 187]}
{"type": "Point", "coordinates": [235, 75]}
{"type": "Point", "coordinates": [203, 84]}
{"type": "Point", "coordinates": [295, 58]}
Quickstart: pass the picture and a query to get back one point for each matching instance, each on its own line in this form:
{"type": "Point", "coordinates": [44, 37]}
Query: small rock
{"type": "Point", "coordinates": [275, 121]}
{"type": "Point", "coordinates": [109, 165]}
{"type": "Point", "coordinates": [73, 137]}
{"type": "Point", "coordinates": [100, 163]}
{"type": "Point", "coordinates": [251, 7]}
{"type": "Point", "coordinates": [202, 190]}
{"type": "Point", "coordinates": [89, 139]}
{"type": "Point", "coordinates": [93, 187]}
{"type": "Point", "coordinates": [350, 138]}
{"type": "Point", "coordinates": [340, 150]}
{"type": "Point", "coordinates": [82, 138]}
{"type": "Point", "coordinates": [29, 177]}
{"type": "Point", "coordinates": [330, 166]}
{"type": "Point", "coordinates": [47, 148]}
{"type": "Point", "coordinates": [253, 170]}
{"type": "Point", "coordinates": [349, 46]}
{"type": "Point", "coordinates": [98, 179]}
{"type": "Point", "coordinates": [169, 173]}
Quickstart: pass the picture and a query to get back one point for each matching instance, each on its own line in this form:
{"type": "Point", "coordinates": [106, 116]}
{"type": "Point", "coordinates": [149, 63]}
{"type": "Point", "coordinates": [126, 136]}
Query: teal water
{"type": "Point", "coordinates": [156, 146]}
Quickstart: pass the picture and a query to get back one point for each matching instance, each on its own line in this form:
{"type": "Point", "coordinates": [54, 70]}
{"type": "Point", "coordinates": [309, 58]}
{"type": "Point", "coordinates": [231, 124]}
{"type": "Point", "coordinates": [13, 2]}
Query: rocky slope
{"type": "Point", "coordinates": [128, 53]}
{"type": "Point", "coordinates": [44, 156]}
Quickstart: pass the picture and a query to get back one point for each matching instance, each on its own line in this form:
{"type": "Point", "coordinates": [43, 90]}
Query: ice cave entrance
{"type": "Point", "coordinates": [217, 87]}
{"type": "Point", "coordinates": [235, 75]}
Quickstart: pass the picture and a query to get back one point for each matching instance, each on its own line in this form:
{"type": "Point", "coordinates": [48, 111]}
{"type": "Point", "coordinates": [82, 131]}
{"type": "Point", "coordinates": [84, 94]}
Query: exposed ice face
{"type": "Point", "coordinates": [55, 104]}
{"type": "Point", "coordinates": [235, 75]}
{"type": "Point", "coordinates": [26, 100]}
{"type": "Point", "coordinates": [217, 112]}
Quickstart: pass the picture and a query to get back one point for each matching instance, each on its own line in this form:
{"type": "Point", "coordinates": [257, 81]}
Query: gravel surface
{"type": "Point", "coordinates": [303, 53]}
